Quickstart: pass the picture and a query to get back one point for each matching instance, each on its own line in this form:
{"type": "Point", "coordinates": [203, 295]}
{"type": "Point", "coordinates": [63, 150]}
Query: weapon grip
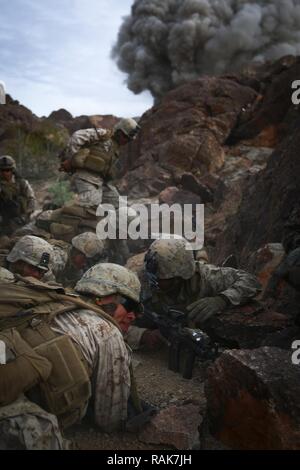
{"type": "Point", "coordinates": [188, 363]}
{"type": "Point", "coordinates": [174, 356]}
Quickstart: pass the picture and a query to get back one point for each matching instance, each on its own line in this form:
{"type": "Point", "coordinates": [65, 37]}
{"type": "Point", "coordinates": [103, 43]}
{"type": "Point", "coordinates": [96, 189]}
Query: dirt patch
{"type": "Point", "coordinates": [158, 386]}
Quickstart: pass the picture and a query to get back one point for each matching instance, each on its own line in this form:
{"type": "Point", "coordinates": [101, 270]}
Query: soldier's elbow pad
{"type": "Point", "coordinates": [16, 377]}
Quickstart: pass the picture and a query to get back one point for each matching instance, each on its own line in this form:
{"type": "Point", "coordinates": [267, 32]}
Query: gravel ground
{"type": "Point", "coordinates": [157, 385]}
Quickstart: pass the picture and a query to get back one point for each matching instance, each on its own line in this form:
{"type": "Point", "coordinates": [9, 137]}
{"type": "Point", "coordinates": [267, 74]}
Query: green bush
{"type": "Point", "coordinates": [61, 193]}
{"type": "Point", "coordinates": [36, 151]}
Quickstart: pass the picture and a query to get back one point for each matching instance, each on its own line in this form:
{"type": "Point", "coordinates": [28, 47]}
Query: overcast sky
{"type": "Point", "coordinates": [56, 54]}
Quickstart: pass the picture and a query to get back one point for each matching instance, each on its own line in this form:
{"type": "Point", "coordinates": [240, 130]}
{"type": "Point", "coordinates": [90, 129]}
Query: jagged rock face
{"type": "Point", "coordinates": [270, 114]}
{"type": "Point", "coordinates": [253, 400]}
{"type": "Point", "coordinates": [246, 326]}
{"type": "Point", "coordinates": [73, 124]}
{"type": "Point", "coordinates": [36, 142]}
{"type": "Point", "coordinates": [185, 133]}
{"type": "Point", "coordinates": [268, 200]}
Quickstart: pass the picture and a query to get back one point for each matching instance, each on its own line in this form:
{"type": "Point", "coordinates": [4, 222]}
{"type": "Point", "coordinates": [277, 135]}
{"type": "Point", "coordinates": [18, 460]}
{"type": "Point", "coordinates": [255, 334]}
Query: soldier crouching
{"type": "Point", "coordinates": [74, 349]}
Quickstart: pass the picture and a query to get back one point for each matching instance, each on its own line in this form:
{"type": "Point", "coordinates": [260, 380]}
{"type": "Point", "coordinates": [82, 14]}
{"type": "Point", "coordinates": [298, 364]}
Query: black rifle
{"type": "Point", "coordinates": [185, 344]}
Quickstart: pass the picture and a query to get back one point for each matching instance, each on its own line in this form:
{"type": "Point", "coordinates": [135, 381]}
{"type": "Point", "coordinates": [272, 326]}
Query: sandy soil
{"type": "Point", "coordinates": [157, 385]}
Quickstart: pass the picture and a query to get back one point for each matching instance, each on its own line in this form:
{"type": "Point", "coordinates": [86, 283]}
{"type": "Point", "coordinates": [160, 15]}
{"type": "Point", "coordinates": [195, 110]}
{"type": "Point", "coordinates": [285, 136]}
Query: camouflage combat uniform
{"type": "Point", "coordinates": [208, 280]}
{"type": "Point", "coordinates": [17, 202]}
{"type": "Point", "coordinates": [171, 259]}
{"type": "Point", "coordinates": [91, 187]}
{"type": "Point", "coordinates": [101, 351]}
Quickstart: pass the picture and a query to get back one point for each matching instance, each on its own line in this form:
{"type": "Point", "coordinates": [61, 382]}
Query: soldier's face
{"type": "Point", "coordinates": [79, 260]}
{"type": "Point", "coordinates": [27, 270]}
{"type": "Point", "coordinates": [6, 174]}
{"type": "Point", "coordinates": [111, 306]}
{"type": "Point", "coordinates": [121, 138]}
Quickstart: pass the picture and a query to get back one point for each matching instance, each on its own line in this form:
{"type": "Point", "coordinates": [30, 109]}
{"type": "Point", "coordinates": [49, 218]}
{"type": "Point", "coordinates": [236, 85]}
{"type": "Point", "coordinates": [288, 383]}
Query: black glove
{"type": "Point", "coordinates": [203, 309]}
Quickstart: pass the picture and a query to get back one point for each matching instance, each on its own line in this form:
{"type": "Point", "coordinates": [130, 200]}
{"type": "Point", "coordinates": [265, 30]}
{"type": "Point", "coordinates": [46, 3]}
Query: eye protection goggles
{"type": "Point", "coordinates": [128, 304]}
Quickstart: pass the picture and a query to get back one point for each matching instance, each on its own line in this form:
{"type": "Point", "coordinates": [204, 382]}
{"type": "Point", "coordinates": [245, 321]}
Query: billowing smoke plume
{"type": "Point", "coordinates": [165, 43]}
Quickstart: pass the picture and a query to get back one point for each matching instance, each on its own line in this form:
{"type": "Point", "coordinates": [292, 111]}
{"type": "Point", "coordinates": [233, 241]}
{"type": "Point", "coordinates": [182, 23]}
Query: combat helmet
{"type": "Point", "coordinates": [108, 279]}
{"type": "Point", "coordinates": [89, 244]}
{"type": "Point", "coordinates": [32, 250]}
{"type": "Point", "coordinates": [128, 126]}
{"type": "Point", "coordinates": [169, 258]}
{"type": "Point", "coordinates": [7, 163]}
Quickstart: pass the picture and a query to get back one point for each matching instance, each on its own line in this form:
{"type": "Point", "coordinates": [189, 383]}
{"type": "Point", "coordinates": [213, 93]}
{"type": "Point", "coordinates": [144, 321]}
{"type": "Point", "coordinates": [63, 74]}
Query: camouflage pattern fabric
{"type": "Point", "coordinates": [6, 276]}
{"type": "Point", "coordinates": [103, 347]}
{"type": "Point", "coordinates": [84, 137]}
{"type": "Point", "coordinates": [208, 281]}
{"type": "Point", "coordinates": [108, 279]}
{"type": "Point", "coordinates": [19, 188]}
{"type": "Point", "coordinates": [24, 425]}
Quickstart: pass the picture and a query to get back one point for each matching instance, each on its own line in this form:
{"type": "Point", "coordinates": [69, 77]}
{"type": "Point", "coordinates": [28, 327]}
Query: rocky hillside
{"type": "Point", "coordinates": [35, 142]}
{"type": "Point", "coordinates": [229, 141]}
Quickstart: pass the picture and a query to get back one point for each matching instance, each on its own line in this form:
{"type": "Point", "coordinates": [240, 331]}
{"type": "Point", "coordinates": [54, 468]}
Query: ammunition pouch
{"type": "Point", "coordinates": [68, 389]}
{"type": "Point", "coordinates": [95, 158]}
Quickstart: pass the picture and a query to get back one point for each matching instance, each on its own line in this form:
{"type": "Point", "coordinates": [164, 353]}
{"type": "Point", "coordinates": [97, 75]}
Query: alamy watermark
{"type": "Point", "coordinates": [2, 93]}
{"type": "Point", "coordinates": [296, 94]}
{"type": "Point", "coordinates": [296, 353]}
{"type": "Point", "coordinates": [2, 353]}
{"type": "Point", "coordinates": [153, 221]}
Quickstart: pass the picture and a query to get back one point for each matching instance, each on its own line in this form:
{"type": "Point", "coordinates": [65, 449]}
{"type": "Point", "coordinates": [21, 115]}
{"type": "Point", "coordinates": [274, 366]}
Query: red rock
{"type": "Point", "coordinates": [186, 132]}
{"type": "Point", "coordinates": [174, 426]}
{"type": "Point", "coordinates": [268, 199]}
{"type": "Point", "coordinates": [189, 182]}
{"type": "Point", "coordinates": [264, 261]}
{"type": "Point", "coordinates": [253, 400]}
{"type": "Point", "coordinates": [173, 195]}
{"type": "Point", "coordinates": [245, 326]}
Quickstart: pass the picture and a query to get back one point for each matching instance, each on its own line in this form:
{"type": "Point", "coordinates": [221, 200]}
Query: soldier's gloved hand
{"type": "Point", "coordinates": [203, 309]}
{"type": "Point", "coordinates": [152, 339]}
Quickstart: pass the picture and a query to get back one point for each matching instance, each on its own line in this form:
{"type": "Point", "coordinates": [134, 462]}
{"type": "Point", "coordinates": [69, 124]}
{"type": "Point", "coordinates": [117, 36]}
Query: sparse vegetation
{"type": "Point", "coordinates": [61, 192]}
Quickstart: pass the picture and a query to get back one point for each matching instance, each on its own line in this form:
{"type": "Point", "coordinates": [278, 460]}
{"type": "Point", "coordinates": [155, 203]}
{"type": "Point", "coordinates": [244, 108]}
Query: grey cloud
{"type": "Point", "coordinates": [163, 44]}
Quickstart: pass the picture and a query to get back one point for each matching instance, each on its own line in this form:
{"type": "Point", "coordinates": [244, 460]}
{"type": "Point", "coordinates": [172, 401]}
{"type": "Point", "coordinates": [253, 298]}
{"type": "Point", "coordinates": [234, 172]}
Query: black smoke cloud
{"type": "Point", "coordinates": [165, 43]}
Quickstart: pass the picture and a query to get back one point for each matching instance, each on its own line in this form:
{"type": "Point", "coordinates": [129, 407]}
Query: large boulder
{"type": "Point", "coordinates": [175, 426]}
{"type": "Point", "coordinates": [253, 400]}
{"type": "Point", "coordinates": [246, 326]}
{"type": "Point", "coordinates": [185, 133]}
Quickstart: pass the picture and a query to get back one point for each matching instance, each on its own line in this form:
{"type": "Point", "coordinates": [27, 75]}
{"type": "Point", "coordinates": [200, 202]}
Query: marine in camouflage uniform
{"type": "Point", "coordinates": [86, 250]}
{"type": "Point", "coordinates": [90, 159]}
{"type": "Point", "coordinates": [80, 331]}
{"type": "Point", "coordinates": [32, 256]}
{"type": "Point", "coordinates": [202, 290]}
{"type": "Point", "coordinates": [17, 199]}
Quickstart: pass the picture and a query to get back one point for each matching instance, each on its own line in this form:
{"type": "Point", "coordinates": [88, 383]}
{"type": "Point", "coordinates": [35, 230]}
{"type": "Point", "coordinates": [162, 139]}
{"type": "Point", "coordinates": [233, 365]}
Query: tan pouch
{"type": "Point", "coordinates": [68, 388]}
{"type": "Point", "coordinates": [96, 163]}
{"type": "Point", "coordinates": [61, 231]}
{"type": "Point", "coordinates": [78, 160]}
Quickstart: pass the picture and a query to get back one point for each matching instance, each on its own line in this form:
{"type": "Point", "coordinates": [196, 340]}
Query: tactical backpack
{"type": "Point", "coordinates": [30, 306]}
{"type": "Point", "coordinates": [98, 157]}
